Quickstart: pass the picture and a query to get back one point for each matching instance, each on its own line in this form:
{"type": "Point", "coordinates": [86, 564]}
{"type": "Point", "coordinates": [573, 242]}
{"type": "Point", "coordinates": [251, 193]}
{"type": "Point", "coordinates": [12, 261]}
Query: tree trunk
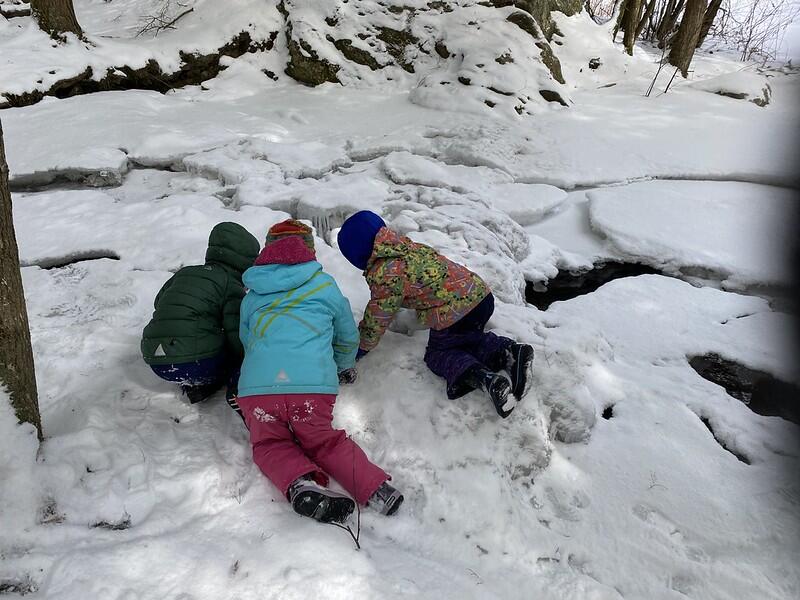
{"type": "Point", "coordinates": [16, 357]}
{"type": "Point", "coordinates": [56, 17]}
{"type": "Point", "coordinates": [648, 13]}
{"type": "Point", "coordinates": [630, 21]}
{"type": "Point", "coordinates": [667, 24]}
{"type": "Point", "coordinates": [708, 20]}
{"type": "Point", "coordinates": [685, 41]}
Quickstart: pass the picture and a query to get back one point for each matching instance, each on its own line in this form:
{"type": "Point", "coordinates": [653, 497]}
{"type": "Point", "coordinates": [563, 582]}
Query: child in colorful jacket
{"type": "Point", "coordinates": [300, 342]}
{"type": "Point", "coordinates": [449, 299]}
{"type": "Point", "coordinates": [193, 336]}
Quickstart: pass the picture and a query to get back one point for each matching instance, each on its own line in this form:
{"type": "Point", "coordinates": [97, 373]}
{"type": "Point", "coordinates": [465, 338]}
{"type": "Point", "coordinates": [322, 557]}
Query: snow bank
{"type": "Point", "coordinates": [739, 233]}
{"type": "Point", "coordinates": [740, 85]}
{"type": "Point", "coordinates": [34, 62]}
{"type": "Point", "coordinates": [583, 43]}
{"type": "Point", "coordinates": [20, 494]}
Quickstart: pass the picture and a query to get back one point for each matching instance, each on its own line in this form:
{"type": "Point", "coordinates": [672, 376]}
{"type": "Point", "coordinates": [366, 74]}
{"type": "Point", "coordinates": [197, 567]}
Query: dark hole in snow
{"type": "Point", "coordinates": [608, 411]}
{"type": "Point", "coordinates": [123, 523]}
{"type": "Point", "coordinates": [58, 262]}
{"type": "Point", "coordinates": [760, 391]}
{"type": "Point", "coordinates": [22, 586]}
{"type": "Point", "coordinates": [740, 457]}
{"type": "Point", "coordinates": [567, 285]}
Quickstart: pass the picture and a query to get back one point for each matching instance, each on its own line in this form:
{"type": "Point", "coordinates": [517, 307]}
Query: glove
{"type": "Point", "coordinates": [348, 376]}
{"type": "Point", "coordinates": [361, 354]}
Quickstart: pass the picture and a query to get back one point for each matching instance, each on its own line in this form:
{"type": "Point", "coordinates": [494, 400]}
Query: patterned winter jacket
{"type": "Point", "coordinates": [403, 274]}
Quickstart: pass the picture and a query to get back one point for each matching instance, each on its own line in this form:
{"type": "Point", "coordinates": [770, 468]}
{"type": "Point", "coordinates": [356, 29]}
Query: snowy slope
{"type": "Point", "coordinates": [618, 475]}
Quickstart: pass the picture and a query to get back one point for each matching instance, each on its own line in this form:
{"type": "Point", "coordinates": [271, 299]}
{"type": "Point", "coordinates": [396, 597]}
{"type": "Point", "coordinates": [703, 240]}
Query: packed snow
{"type": "Point", "coordinates": [621, 475]}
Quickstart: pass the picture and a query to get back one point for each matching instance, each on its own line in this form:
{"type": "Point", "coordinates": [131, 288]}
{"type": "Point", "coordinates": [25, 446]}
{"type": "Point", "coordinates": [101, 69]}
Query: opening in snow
{"type": "Point", "coordinates": [738, 455]}
{"type": "Point", "coordinates": [567, 285]}
{"type": "Point", "coordinates": [608, 411]}
{"type": "Point", "coordinates": [22, 586]}
{"type": "Point", "coordinates": [123, 523]}
{"type": "Point", "coordinates": [760, 391]}
{"type": "Point", "coordinates": [58, 262]}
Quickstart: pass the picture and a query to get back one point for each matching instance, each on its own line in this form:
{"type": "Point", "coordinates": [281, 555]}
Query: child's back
{"type": "Point", "coordinates": [297, 329]}
{"type": "Point", "coordinates": [193, 336]}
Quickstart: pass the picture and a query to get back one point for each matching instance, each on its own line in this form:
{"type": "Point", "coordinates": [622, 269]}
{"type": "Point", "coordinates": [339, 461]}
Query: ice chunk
{"type": "Point", "coordinates": [741, 232]}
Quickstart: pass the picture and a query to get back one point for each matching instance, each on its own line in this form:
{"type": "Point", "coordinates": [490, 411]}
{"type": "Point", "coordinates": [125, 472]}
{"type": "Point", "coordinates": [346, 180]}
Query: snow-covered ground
{"type": "Point", "coordinates": [606, 482]}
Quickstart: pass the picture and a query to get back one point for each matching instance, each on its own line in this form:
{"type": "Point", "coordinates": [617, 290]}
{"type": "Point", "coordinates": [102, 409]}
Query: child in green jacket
{"type": "Point", "coordinates": [193, 337]}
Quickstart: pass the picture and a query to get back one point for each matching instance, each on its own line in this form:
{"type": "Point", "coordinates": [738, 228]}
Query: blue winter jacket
{"type": "Point", "coordinates": [297, 330]}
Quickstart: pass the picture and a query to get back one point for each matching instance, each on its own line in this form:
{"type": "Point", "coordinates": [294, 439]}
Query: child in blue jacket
{"type": "Point", "coordinates": [300, 342]}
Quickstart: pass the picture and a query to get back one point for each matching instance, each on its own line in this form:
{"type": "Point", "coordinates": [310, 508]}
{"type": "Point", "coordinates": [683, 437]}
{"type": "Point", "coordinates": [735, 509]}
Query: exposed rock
{"type": "Point", "coordinates": [441, 49]}
{"type": "Point", "coordinates": [426, 47]}
{"type": "Point", "coordinates": [357, 55]}
{"type": "Point", "coordinates": [594, 63]}
{"type": "Point", "coordinates": [552, 96]}
{"type": "Point", "coordinates": [540, 10]}
{"type": "Point", "coordinates": [194, 69]}
{"type": "Point", "coordinates": [396, 42]}
{"type": "Point", "coordinates": [304, 65]}
{"type": "Point", "coordinates": [551, 62]}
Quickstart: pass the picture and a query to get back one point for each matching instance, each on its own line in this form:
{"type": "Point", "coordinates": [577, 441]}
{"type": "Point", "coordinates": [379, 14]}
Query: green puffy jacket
{"type": "Point", "coordinates": [197, 310]}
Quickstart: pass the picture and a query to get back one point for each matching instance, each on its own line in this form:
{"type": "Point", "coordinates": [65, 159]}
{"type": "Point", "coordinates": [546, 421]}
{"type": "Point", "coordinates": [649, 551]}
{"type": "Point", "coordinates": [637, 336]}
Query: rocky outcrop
{"type": "Point", "coordinates": [194, 69]}
{"type": "Point", "coordinates": [492, 55]}
{"type": "Point", "coordinates": [470, 55]}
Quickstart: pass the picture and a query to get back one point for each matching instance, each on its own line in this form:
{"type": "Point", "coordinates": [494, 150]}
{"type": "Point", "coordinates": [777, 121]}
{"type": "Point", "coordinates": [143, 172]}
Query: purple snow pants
{"type": "Point", "coordinates": [454, 350]}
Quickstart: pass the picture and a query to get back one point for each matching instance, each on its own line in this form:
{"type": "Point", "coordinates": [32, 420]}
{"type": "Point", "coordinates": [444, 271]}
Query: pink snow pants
{"type": "Point", "coordinates": [292, 435]}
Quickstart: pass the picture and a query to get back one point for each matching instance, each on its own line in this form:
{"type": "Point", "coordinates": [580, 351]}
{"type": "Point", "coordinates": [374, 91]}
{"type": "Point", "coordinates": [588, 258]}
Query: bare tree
{"type": "Point", "coordinates": [16, 356]}
{"type": "Point", "coordinates": [708, 20]}
{"type": "Point", "coordinates": [56, 17]}
{"type": "Point", "coordinates": [631, 12]}
{"type": "Point", "coordinates": [685, 41]}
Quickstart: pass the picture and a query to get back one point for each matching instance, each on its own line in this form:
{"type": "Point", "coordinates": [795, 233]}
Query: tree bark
{"type": "Point", "coordinates": [17, 373]}
{"type": "Point", "coordinates": [648, 13]}
{"type": "Point", "coordinates": [667, 24]}
{"type": "Point", "coordinates": [708, 20]}
{"type": "Point", "coordinates": [685, 41]}
{"type": "Point", "coordinates": [56, 17]}
{"type": "Point", "coordinates": [630, 21]}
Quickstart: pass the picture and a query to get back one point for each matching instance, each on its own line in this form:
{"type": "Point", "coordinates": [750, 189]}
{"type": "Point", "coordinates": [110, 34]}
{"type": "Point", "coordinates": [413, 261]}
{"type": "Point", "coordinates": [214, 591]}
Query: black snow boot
{"type": "Point", "coordinates": [494, 384]}
{"type": "Point", "coordinates": [198, 393]}
{"type": "Point", "coordinates": [386, 499]}
{"type": "Point", "coordinates": [519, 364]}
{"type": "Point", "coordinates": [310, 499]}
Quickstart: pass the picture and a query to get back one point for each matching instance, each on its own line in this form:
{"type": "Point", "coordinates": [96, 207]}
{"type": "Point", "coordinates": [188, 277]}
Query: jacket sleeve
{"type": "Point", "coordinates": [386, 300]}
{"type": "Point", "coordinates": [230, 320]}
{"type": "Point", "coordinates": [244, 330]}
{"type": "Point", "coordinates": [345, 332]}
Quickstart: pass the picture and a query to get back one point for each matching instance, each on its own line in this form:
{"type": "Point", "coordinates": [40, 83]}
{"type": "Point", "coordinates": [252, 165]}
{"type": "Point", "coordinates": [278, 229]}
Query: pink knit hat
{"type": "Point", "coordinates": [289, 242]}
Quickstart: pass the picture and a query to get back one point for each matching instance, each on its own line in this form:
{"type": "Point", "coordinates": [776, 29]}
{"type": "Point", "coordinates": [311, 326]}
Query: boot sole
{"type": "Point", "coordinates": [393, 505]}
{"type": "Point", "coordinates": [523, 366]}
{"type": "Point", "coordinates": [322, 508]}
{"type": "Point", "coordinates": [499, 403]}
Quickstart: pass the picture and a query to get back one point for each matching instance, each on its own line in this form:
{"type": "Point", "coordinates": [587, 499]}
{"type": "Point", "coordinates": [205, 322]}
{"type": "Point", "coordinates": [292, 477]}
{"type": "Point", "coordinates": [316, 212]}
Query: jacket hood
{"type": "Point", "coordinates": [389, 244]}
{"type": "Point", "coordinates": [232, 245]}
{"type": "Point", "coordinates": [268, 279]}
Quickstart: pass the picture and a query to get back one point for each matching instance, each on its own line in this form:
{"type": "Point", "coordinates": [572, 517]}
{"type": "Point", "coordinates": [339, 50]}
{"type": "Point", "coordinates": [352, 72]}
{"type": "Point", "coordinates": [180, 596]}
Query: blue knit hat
{"type": "Point", "coordinates": [357, 236]}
